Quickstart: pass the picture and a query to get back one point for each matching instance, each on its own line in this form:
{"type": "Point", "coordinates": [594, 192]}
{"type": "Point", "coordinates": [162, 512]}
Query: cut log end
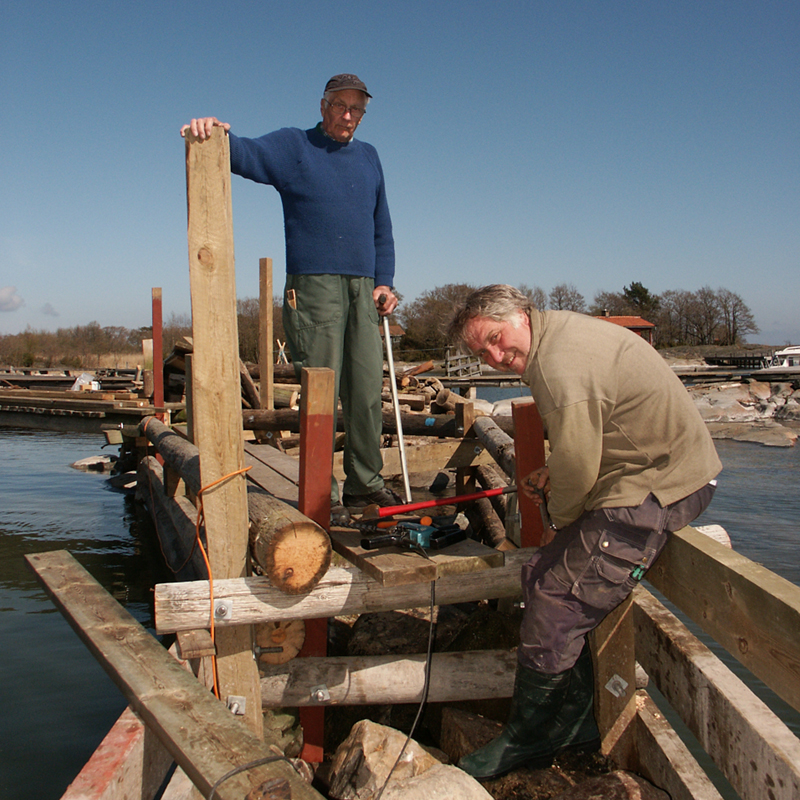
{"type": "Point", "coordinates": [297, 557]}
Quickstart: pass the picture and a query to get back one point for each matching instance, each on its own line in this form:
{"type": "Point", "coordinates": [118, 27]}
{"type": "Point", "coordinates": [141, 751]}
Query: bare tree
{"type": "Point", "coordinates": [536, 295]}
{"type": "Point", "coordinates": [609, 303]}
{"type": "Point", "coordinates": [566, 297]}
{"type": "Point", "coordinates": [737, 319]}
{"type": "Point", "coordinates": [426, 320]}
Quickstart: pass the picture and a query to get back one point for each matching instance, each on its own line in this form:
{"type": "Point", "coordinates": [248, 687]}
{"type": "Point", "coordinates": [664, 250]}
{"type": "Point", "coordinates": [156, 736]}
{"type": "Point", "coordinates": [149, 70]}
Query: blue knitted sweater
{"type": "Point", "coordinates": [336, 216]}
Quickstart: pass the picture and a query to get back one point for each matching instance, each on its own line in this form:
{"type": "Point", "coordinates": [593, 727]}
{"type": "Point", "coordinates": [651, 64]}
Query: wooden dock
{"type": "Point", "coordinates": [202, 707]}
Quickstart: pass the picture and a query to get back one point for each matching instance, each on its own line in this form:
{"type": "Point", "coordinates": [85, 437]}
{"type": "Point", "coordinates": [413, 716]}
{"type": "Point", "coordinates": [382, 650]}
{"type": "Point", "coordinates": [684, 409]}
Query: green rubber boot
{"type": "Point", "coordinates": [548, 714]}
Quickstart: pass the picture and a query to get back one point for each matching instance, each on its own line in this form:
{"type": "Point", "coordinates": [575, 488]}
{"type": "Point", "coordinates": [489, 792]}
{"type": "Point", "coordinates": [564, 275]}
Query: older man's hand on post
{"type": "Point", "coordinates": [385, 300]}
{"type": "Point", "coordinates": [202, 127]}
{"type": "Point", "coordinates": [536, 486]}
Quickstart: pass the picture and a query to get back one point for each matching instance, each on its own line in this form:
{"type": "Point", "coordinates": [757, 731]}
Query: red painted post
{"type": "Point", "coordinates": [158, 353]}
{"type": "Point", "coordinates": [529, 452]}
{"type": "Point", "coordinates": [317, 405]}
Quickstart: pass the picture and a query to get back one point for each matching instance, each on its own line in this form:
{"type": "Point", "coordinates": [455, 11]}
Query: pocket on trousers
{"type": "Point", "coordinates": [316, 301]}
{"type": "Point", "coordinates": [609, 575]}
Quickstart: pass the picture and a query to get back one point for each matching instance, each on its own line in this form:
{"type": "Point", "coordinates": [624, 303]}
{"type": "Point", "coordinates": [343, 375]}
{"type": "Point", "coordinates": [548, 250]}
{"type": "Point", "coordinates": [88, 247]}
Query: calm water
{"type": "Point", "coordinates": [56, 703]}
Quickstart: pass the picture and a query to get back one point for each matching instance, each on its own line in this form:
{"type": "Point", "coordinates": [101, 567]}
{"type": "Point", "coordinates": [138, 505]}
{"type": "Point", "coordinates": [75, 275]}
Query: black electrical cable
{"type": "Point", "coordinates": [425, 690]}
{"type": "Point", "coordinates": [426, 687]}
{"type": "Point", "coordinates": [250, 765]}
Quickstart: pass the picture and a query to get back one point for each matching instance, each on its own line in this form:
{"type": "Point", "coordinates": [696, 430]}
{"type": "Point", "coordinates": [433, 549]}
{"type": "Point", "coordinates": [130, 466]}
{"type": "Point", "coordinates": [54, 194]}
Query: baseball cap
{"type": "Point", "coordinates": [346, 81]}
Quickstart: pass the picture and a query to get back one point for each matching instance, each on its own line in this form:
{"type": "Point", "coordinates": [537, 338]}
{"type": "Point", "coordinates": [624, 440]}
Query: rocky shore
{"type": "Point", "coordinates": [752, 411]}
{"type": "Point", "coordinates": [747, 411]}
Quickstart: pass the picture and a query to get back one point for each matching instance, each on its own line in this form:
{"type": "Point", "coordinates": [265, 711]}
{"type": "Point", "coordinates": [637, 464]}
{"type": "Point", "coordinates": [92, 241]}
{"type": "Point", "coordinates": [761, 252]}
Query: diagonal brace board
{"type": "Point", "coordinates": [204, 737]}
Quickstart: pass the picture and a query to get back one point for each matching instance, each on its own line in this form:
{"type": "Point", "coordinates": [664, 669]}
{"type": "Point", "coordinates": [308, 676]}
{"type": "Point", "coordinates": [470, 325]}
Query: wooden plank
{"type": "Point", "coordinates": [614, 661]}
{"type": "Point", "coordinates": [286, 466]}
{"type": "Point", "coordinates": [752, 612]}
{"type": "Point", "coordinates": [529, 450]}
{"type": "Point", "coordinates": [368, 680]}
{"type": "Point", "coordinates": [158, 350]}
{"type": "Point", "coordinates": [664, 759]}
{"type": "Point", "coordinates": [204, 737]}
{"type": "Point", "coordinates": [266, 310]}
{"type": "Point", "coordinates": [343, 590]}
{"type": "Point", "coordinates": [391, 566]}
{"type": "Point", "coordinates": [216, 396]}
{"type": "Point", "coordinates": [317, 406]}
{"type": "Point", "coordinates": [269, 480]}
{"type": "Point", "coordinates": [755, 751]}
{"type": "Point", "coordinates": [130, 762]}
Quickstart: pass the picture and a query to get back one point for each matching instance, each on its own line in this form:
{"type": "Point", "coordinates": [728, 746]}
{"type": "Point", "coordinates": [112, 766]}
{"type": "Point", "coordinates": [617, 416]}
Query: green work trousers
{"type": "Point", "coordinates": [331, 321]}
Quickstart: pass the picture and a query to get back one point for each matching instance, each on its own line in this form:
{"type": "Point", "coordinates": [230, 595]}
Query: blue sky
{"type": "Point", "coordinates": [593, 143]}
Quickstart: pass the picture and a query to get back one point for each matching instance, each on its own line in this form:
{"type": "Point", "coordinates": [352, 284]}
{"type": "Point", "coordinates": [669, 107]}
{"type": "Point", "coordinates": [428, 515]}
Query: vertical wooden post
{"type": "Point", "coordinates": [529, 453]}
{"type": "Point", "coordinates": [158, 353]}
{"type": "Point", "coordinates": [614, 657]}
{"type": "Point", "coordinates": [317, 406]}
{"type": "Point", "coordinates": [216, 400]}
{"type": "Point", "coordinates": [265, 359]}
{"type": "Point", "coordinates": [147, 367]}
{"type": "Point", "coordinates": [465, 418]}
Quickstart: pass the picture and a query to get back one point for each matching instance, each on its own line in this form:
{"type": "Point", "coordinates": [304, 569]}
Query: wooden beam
{"type": "Point", "coordinates": [375, 680]}
{"type": "Point", "coordinates": [265, 335]}
{"type": "Point", "coordinates": [158, 351]}
{"type": "Point", "coordinates": [614, 660]}
{"type": "Point", "coordinates": [664, 759]}
{"type": "Point", "coordinates": [755, 751]}
{"type": "Point", "coordinates": [752, 612]}
{"type": "Point", "coordinates": [434, 425]}
{"type": "Point", "coordinates": [342, 591]}
{"type": "Point", "coordinates": [216, 395]}
{"type": "Point", "coordinates": [200, 733]}
{"type": "Point", "coordinates": [317, 405]}
{"type": "Point", "coordinates": [529, 449]}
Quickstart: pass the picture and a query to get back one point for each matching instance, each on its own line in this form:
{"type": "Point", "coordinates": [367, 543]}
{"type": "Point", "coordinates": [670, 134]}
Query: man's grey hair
{"type": "Point", "coordinates": [331, 96]}
{"type": "Point", "coordinates": [499, 302]}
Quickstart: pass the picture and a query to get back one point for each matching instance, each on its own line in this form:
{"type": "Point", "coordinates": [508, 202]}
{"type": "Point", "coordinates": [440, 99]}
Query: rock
{"type": "Point", "coordinates": [438, 783]}
{"type": "Point", "coordinates": [464, 732]}
{"type": "Point", "coordinates": [365, 759]}
{"type": "Point", "coordinates": [616, 785]}
{"type": "Point", "coordinates": [95, 464]}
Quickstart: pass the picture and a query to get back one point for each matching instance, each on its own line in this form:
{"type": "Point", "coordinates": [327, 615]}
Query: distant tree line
{"type": "Point", "coordinates": [682, 318]}
{"type": "Point", "coordinates": [704, 317]}
{"type": "Point", "coordinates": [84, 346]}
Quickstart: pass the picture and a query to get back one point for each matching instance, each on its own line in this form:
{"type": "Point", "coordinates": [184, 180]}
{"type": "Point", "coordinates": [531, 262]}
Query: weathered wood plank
{"type": "Point", "coordinates": [752, 612]}
{"type": "Point", "coordinates": [664, 759]}
{"type": "Point", "coordinates": [367, 680]}
{"type": "Point", "coordinates": [755, 751]}
{"type": "Point", "coordinates": [217, 396]}
{"type": "Point", "coordinates": [288, 467]}
{"type": "Point", "coordinates": [613, 656]}
{"type": "Point", "coordinates": [391, 566]}
{"type": "Point", "coordinates": [343, 590]}
{"type": "Point", "coordinates": [205, 739]}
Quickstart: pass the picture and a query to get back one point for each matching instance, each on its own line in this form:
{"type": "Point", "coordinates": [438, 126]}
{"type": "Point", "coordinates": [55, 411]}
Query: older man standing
{"type": "Point", "coordinates": [630, 460]}
{"type": "Point", "coordinates": [339, 264]}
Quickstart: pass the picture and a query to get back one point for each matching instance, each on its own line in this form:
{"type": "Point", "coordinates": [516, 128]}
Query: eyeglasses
{"type": "Point", "coordinates": [341, 109]}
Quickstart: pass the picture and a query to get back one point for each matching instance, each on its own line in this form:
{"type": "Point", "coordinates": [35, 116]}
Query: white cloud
{"type": "Point", "coordinates": [9, 299]}
{"type": "Point", "coordinates": [49, 311]}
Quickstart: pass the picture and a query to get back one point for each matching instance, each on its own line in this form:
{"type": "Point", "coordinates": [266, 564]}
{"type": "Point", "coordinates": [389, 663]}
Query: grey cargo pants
{"type": "Point", "coordinates": [588, 569]}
